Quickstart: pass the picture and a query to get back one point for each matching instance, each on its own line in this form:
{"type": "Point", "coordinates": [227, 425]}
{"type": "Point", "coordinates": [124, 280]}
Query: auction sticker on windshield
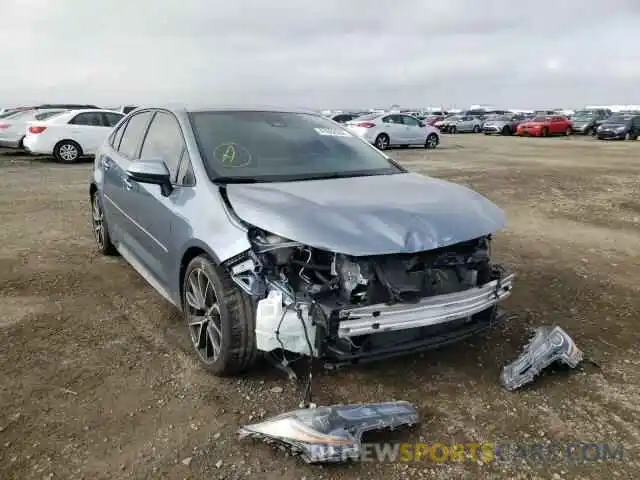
{"type": "Point", "coordinates": [331, 132]}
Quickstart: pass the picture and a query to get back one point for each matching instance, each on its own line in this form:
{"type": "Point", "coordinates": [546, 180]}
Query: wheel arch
{"type": "Point", "coordinates": [190, 251]}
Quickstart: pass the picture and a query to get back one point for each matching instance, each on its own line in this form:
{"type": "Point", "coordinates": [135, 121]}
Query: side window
{"type": "Point", "coordinates": [92, 119]}
{"type": "Point", "coordinates": [117, 136]}
{"type": "Point", "coordinates": [133, 134]}
{"type": "Point", "coordinates": [387, 119]}
{"type": "Point", "coordinates": [164, 141]}
{"type": "Point", "coordinates": [412, 122]}
{"type": "Point", "coordinates": [111, 119]}
{"type": "Point", "coordinates": [186, 177]}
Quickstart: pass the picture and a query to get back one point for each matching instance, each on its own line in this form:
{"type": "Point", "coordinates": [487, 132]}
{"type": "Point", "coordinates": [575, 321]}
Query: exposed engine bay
{"type": "Point", "coordinates": [327, 304]}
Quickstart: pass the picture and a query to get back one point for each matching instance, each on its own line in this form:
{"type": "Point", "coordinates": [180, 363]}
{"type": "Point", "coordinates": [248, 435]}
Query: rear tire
{"type": "Point", "coordinates": [67, 151]}
{"type": "Point", "coordinates": [100, 229]}
{"type": "Point", "coordinates": [382, 141]}
{"type": "Point", "coordinates": [506, 131]}
{"type": "Point", "coordinates": [432, 141]}
{"type": "Point", "coordinates": [476, 129]}
{"type": "Point", "coordinates": [231, 318]}
{"type": "Point", "coordinates": [453, 129]}
{"type": "Point", "coordinates": [568, 132]}
{"type": "Point", "coordinates": [545, 132]}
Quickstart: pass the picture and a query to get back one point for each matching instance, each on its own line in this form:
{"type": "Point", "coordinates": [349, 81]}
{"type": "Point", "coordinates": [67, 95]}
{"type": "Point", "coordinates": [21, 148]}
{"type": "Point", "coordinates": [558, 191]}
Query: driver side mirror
{"type": "Point", "coordinates": [154, 172]}
{"type": "Point", "coordinates": [421, 124]}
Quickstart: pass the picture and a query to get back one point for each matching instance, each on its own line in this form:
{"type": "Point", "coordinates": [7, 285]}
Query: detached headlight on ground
{"type": "Point", "coordinates": [331, 434]}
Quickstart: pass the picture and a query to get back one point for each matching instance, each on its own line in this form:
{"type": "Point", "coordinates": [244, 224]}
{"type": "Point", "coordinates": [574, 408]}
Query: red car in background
{"type": "Point", "coordinates": [545, 126]}
{"type": "Point", "coordinates": [432, 119]}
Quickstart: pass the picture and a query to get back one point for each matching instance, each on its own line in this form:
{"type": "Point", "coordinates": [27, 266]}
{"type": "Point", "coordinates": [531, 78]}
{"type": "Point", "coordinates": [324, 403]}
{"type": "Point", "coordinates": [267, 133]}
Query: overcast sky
{"type": "Point", "coordinates": [322, 53]}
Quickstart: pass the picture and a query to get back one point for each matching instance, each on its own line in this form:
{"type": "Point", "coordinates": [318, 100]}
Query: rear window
{"type": "Point", "coordinates": [45, 115]}
{"type": "Point", "coordinates": [20, 115]}
{"type": "Point", "coordinates": [263, 145]}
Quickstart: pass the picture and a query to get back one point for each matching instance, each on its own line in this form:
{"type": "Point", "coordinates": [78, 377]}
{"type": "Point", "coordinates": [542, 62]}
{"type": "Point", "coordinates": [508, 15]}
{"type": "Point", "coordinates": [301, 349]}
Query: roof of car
{"type": "Point", "coordinates": [185, 108]}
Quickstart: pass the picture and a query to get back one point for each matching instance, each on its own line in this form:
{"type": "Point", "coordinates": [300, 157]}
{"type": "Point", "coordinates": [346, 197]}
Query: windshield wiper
{"type": "Point", "coordinates": [235, 180]}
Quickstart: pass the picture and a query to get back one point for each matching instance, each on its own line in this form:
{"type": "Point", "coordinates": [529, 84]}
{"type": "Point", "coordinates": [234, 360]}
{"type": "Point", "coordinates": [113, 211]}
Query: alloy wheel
{"type": "Point", "coordinates": [203, 316]}
{"type": "Point", "coordinates": [97, 218]}
{"type": "Point", "coordinates": [68, 152]}
{"type": "Point", "coordinates": [382, 142]}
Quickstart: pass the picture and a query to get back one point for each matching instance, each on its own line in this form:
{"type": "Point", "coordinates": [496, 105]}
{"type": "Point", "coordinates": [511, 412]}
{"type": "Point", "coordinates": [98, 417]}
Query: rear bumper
{"type": "Point", "coordinates": [6, 143]}
{"type": "Point", "coordinates": [374, 319]}
{"type": "Point", "coordinates": [32, 145]}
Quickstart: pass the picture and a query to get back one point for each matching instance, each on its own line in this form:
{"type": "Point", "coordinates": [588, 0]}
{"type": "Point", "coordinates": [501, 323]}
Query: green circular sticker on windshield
{"type": "Point", "coordinates": [232, 155]}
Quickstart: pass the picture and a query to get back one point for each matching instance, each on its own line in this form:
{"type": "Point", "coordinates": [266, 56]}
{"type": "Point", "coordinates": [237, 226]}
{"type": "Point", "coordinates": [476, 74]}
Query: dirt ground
{"type": "Point", "coordinates": [98, 381]}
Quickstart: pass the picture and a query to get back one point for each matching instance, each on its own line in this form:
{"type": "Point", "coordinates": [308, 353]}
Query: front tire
{"type": "Point", "coordinates": [67, 151]}
{"type": "Point", "coordinates": [476, 129]}
{"type": "Point", "coordinates": [453, 129]}
{"type": "Point", "coordinates": [545, 132]}
{"type": "Point", "coordinates": [506, 131]}
{"type": "Point", "coordinates": [432, 141]}
{"type": "Point", "coordinates": [220, 318]}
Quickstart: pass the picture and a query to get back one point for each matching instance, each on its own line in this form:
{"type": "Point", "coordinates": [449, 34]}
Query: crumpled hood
{"type": "Point", "coordinates": [383, 214]}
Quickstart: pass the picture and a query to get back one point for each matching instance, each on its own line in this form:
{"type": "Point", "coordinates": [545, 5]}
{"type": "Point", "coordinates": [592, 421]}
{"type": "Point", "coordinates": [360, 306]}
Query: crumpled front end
{"type": "Point", "coordinates": [347, 309]}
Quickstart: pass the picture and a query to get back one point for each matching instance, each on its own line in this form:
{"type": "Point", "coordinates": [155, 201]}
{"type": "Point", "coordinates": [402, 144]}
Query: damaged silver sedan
{"type": "Point", "coordinates": [279, 231]}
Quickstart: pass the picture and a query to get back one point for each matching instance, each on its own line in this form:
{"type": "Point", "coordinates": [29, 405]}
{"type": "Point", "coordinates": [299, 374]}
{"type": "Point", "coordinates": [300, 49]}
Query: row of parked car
{"type": "Point", "coordinates": [65, 131]}
{"type": "Point", "coordinates": [600, 123]}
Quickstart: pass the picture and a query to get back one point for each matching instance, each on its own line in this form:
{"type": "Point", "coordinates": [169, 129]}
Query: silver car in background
{"type": "Point", "coordinates": [502, 124]}
{"type": "Point", "coordinates": [462, 124]}
{"type": "Point", "coordinates": [13, 127]}
{"type": "Point", "coordinates": [386, 130]}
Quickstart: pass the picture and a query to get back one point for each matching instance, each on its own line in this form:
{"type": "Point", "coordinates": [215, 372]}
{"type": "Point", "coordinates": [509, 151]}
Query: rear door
{"type": "Point", "coordinates": [126, 143]}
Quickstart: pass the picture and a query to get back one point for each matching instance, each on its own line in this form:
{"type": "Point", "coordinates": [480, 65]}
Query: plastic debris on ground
{"type": "Point", "coordinates": [549, 344]}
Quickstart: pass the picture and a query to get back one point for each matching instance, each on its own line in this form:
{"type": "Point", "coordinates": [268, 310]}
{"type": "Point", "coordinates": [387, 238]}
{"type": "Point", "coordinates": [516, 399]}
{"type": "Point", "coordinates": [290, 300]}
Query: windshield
{"type": "Point", "coordinates": [621, 119]}
{"type": "Point", "coordinates": [368, 116]}
{"type": "Point", "coordinates": [541, 118]}
{"type": "Point", "coordinates": [275, 146]}
{"type": "Point", "coordinates": [20, 115]}
{"type": "Point", "coordinates": [583, 115]}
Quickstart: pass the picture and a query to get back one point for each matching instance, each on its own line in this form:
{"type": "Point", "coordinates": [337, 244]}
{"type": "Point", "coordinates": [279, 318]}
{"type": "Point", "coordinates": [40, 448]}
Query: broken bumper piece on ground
{"type": "Point", "coordinates": [330, 434]}
{"type": "Point", "coordinates": [549, 344]}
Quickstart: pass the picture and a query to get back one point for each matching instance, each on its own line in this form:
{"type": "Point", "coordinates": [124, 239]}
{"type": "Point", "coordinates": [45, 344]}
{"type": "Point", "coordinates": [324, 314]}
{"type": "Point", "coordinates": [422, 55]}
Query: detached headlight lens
{"type": "Point", "coordinates": [331, 434]}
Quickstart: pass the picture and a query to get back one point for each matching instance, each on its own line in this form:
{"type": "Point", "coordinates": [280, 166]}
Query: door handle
{"type": "Point", "coordinates": [106, 163]}
{"type": "Point", "coordinates": [128, 185]}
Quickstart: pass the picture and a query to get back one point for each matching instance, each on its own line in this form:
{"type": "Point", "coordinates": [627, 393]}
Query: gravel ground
{"type": "Point", "coordinates": [98, 380]}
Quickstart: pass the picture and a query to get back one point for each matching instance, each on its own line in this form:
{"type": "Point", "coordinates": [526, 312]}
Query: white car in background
{"type": "Point", "coordinates": [70, 135]}
{"type": "Point", "coordinates": [386, 130]}
{"type": "Point", "coordinates": [12, 127]}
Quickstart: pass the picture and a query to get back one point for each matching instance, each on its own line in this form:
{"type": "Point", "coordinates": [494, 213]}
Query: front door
{"type": "Point", "coordinates": [414, 130]}
{"type": "Point", "coordinates": [152, 211]}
